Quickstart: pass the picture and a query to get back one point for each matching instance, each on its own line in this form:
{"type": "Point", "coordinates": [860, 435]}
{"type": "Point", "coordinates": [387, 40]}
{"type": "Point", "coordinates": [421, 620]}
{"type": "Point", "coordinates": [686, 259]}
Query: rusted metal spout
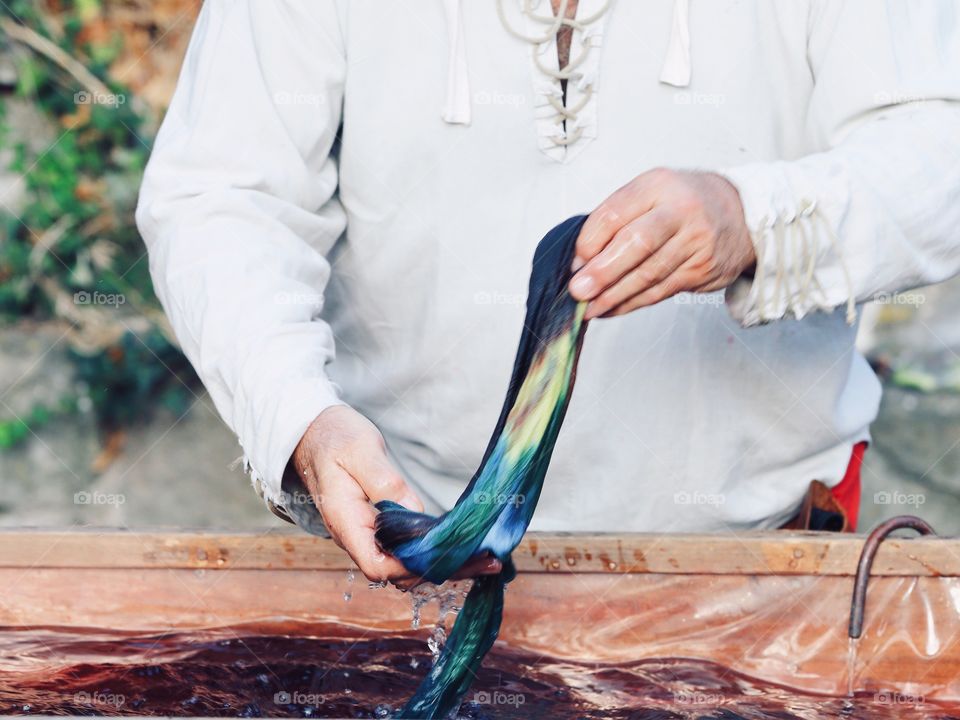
{"type": "Point", "coordinates": [867, 556]}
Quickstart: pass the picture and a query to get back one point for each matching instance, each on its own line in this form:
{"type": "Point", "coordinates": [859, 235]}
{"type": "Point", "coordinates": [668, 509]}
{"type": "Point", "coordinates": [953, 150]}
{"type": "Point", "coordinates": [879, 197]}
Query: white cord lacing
{"type": "Point", "coordinates": [564, 114]}
{"type": "Point", "coordinates": [802, 257]}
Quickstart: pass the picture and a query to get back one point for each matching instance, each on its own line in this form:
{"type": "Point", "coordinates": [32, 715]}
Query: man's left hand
{"type": "Point", "coordinates": [663, 233]}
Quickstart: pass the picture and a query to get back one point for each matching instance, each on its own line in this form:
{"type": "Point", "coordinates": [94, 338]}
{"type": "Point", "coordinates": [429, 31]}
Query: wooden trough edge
{"type": "Point", "coordinates": [748, 553]}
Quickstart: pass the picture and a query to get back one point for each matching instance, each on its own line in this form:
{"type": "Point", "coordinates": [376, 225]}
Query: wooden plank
{"type": "Point", "coordinates": [757, 553]}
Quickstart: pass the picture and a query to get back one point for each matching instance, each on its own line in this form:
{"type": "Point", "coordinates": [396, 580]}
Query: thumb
{"type": "Point", "coordinates": [380, 480]}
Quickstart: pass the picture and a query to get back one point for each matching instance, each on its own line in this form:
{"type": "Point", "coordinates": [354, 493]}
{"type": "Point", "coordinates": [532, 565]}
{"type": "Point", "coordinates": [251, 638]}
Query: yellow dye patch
{"type": "Point", "coordinates": [542, 390]}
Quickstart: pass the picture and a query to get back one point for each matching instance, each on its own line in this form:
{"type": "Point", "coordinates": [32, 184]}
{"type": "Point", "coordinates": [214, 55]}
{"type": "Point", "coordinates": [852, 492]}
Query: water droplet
{"type": "Point", "coordinates": [347, 596]}
{"type": "Point", "coordinates": [415, 620]}
{"type": "Point", "coordinates": [436, 640]}
{"type": "Point", "coordinates": [382, 711]}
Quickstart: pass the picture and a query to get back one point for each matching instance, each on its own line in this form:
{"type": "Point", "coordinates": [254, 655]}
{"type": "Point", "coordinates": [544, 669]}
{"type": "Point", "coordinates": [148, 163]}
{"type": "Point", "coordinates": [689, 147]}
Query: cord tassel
{"type": "Point", "coordinates": [677, 65]}
{"type": "Point", "coordinates": [457, 108]}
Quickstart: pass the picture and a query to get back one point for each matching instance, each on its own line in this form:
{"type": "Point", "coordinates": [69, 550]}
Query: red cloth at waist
{"type": "Point", "coordinates": [847, 491]}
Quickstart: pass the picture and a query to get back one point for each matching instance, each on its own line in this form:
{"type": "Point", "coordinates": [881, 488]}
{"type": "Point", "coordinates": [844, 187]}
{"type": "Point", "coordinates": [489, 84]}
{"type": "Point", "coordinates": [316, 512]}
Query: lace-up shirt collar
{"type": "Point", "coordinates": [563, 125]}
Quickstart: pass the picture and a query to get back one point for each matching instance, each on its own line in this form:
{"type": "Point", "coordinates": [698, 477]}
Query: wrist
{"type": "Point", "coordinates": [307, 448]}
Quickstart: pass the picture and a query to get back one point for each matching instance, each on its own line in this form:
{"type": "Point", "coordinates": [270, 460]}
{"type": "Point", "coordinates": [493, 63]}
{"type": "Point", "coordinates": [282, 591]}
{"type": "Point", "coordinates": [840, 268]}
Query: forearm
{"type": "Point", "coordinates": [238, 210]}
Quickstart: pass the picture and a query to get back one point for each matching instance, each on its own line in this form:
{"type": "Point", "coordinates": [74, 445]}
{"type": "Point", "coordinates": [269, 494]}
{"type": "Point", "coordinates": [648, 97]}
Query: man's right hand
{"type": "Point", "coordinates": [343, 462]}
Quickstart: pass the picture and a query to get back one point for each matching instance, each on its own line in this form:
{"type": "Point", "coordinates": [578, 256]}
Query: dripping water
{"type": "Point", "coordinates": [851, 664]}
{"type": "Point", "coordinates": [348, 593]}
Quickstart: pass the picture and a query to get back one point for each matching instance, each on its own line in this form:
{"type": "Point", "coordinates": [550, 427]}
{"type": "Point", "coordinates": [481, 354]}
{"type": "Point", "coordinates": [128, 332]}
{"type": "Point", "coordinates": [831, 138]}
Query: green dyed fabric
{"type": "Point", "coordinates": [494, 511]}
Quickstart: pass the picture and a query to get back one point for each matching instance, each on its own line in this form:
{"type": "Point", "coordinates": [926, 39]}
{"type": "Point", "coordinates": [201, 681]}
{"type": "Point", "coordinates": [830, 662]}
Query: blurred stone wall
{"type": "Point", "coordinates": [170, 471]}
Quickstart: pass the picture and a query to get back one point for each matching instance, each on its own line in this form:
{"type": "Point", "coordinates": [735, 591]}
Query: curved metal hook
{"type": "Point", "coordinates": [867, 556]}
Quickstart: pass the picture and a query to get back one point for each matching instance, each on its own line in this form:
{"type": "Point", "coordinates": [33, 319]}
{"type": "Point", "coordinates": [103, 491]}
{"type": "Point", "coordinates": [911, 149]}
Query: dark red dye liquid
{"type": "Point", "coordinates": [56, 673]}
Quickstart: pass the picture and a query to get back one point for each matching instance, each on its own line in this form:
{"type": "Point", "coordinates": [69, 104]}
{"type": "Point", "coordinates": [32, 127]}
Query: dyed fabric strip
{"type": "Point", "coordinates": [494, 511]}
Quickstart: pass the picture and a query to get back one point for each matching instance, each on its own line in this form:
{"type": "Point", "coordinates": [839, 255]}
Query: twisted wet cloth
{"type": "Point", "coordinates": [495, 509]}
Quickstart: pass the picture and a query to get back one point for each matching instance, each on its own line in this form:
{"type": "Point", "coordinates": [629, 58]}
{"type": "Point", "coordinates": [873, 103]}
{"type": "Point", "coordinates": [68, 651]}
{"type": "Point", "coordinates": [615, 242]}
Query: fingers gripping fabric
{"type": "Point", "coordinates": [493, 512]}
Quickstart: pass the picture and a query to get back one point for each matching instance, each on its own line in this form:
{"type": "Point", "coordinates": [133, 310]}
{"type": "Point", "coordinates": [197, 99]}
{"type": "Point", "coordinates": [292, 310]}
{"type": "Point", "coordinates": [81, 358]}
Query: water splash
{"type": "Point", "coordinates": [449, 598]}
{"type": "Point", "coordinates": [417, 601]}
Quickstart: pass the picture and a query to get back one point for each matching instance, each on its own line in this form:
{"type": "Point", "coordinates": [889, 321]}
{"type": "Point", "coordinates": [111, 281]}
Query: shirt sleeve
{"type": "Point", "coordinates": [878, 210]}
{"type": "Point", "coordinates": [238, 209]}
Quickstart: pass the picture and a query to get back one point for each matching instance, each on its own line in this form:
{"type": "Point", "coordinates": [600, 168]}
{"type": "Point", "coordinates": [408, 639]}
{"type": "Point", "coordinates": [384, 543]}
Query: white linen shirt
{"type": "Point", "coordinates": [344, 199]}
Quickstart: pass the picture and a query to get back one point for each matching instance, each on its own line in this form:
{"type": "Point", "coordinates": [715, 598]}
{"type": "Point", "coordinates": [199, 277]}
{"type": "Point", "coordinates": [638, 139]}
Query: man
{"type": "Point", "coordinates": [345, 196]}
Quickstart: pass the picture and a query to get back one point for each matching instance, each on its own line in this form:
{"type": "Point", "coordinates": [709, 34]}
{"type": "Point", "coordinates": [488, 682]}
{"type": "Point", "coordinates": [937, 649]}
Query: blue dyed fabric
{"type": "Point", "coordinates": [494, 511]}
